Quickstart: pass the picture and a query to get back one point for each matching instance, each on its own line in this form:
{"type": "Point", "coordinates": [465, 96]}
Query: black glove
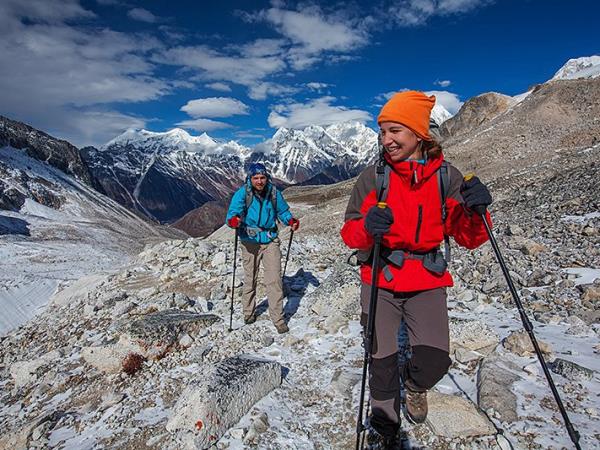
{"type": "Point", "coordinates": [378, 221]}
{"type": "Point", "coordinates": [476, 195]}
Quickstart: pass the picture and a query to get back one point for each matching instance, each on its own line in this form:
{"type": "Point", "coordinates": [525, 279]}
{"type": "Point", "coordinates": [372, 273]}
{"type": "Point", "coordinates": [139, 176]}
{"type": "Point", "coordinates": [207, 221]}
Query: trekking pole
{"type": "Point", "coordinates": [573, 434]}
{"type": "Point", "coordinates": [287, 256]}
{"type": "Point", "coordinates": [368, 341]}
{"type": "Point", "coordinates": [235, 246]}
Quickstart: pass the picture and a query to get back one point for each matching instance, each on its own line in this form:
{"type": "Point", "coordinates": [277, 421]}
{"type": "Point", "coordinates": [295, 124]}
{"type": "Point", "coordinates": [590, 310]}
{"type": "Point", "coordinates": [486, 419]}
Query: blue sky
{"type": "Point", "coordinates": [87, 70]}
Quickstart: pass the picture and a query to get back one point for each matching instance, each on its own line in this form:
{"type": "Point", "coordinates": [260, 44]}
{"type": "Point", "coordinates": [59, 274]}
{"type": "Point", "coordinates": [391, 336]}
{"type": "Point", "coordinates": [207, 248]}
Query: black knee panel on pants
{"type": "Point", "coordinates": [384, 380]}
{"type": "Point", "coordinates": [427, 366]}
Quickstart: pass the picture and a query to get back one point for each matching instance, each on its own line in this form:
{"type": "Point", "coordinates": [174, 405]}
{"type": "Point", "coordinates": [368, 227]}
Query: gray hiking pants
{"type": "Point", "coordinates": [270, 255]}
{"type": "Point", "coordinates": [426, 317]}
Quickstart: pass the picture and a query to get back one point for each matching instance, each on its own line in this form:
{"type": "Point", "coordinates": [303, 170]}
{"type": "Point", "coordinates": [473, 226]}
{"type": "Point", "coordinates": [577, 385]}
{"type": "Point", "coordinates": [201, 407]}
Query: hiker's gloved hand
{"type": "Point", "coordinates": [234, 222]}
{"type": "Point", "coordinates": [476, 195]}
{"type": "Point", "coordinates": [294, 224]}
{"type": "Point", "coordinates": [379, 220]}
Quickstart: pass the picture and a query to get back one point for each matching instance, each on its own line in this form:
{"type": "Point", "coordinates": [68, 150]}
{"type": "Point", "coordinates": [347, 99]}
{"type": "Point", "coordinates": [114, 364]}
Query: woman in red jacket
{"type": "Point", "coordinates": [413, 280]}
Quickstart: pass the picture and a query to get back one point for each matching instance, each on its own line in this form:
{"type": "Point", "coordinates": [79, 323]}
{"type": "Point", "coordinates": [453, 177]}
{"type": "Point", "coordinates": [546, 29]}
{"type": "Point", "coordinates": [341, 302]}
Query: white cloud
{"type": "Point", "coordinates": [442, 83]}
{"type": "Point", "coordinates": [215, 107]}
{"type": "Point", "coordinates": [203, 124]}
{"type": "Point", "coordinates": [385, 96]}
{"type": "Point", "coordinates": [143, 15]}
{"type": "Point", "coordinates": [315, 86]}
{"type": "Point", "coordinates": [262, 90]}
{"type": "Point", "coordinates": [418, 12]}
{"type": "Point", "coordinates": [218, 86]}
{"type": "Point", "coordinates": [41, 11]}
{"type": "Point", "coordinates": [316, 112]}
{"type": "Point", "coordinates": [312, 33]}
{"type": "Point", "coordinates": [448, 100]}
{"type": "Point", "coordinates": [311, 29]}
{"type": "Point", "coordinates": [56, 67]}
{"type": "Point", "coordinates": [216, 66]}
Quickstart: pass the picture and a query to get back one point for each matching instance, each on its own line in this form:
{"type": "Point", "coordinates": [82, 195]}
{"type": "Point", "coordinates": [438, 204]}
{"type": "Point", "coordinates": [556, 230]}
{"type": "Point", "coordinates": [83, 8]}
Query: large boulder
{"type": "Point", "coordinates": [452, 417]}
{"type": "Point", "coordinates": [494, 381]}
{"type": "Point", "coordinates": [214, 402]}
{"type": "Point", "coordinates": [158, 332]}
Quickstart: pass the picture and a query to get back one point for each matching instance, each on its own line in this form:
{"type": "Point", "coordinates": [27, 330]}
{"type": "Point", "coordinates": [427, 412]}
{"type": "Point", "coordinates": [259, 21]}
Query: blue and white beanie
{"type": "Point", "coordinates": [256, 169]}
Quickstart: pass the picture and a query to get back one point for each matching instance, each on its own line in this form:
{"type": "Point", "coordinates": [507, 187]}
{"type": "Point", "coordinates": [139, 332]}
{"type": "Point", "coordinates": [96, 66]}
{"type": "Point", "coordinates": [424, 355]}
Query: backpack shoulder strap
{"type": "Point", "coordinates": [443, 175]}
{"type": "Point", "coordinates": [382, 180]}
{"type": "Point", "coordinates": [247, 200]}
{"type": "Point", "coordinates": [274, 200]}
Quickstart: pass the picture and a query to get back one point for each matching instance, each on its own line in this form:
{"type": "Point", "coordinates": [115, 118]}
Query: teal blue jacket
{"type": "Point", "coordinates": [259, 223]}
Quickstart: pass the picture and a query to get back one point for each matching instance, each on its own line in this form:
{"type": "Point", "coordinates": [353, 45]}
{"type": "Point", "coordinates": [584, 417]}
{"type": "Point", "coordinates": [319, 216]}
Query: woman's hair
{"type": "Point", "coordinates": [432, 148]}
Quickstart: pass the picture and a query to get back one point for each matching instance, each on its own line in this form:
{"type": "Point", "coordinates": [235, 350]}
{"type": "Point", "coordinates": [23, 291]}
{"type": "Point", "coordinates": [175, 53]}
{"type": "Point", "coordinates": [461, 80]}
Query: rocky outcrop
{"type": "Point", "coordinates": [44, 147]}
{"type": "Point", "coordinates": [475, 112]}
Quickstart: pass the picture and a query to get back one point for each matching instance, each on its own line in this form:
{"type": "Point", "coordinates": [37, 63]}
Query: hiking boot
{"type": "Point", "coordinates": [416, 403]}
{"type": "Point", "coordinates": [283, 328]}
{"type": "Point", "coordinates": [251, 319]}
{"type": "Point", "coordinates": [377, 441]}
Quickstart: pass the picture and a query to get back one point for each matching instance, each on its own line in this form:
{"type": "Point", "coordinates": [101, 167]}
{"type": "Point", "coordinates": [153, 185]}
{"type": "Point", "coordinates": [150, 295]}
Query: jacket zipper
{"type": "Point", "coordinates": [259, 211]}
{"type": "Point", "coordinates": [419, 219]}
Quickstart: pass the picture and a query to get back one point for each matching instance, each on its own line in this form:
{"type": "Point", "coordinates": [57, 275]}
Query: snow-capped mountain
{"type": "Point", "coordinates": [296, 156]}
{"type": "Point", "coordinates": [439, 114]}
{"type": "Point", "coordinates": [586, 67]}
{"type": "Point", "coordinates": [165, 175]}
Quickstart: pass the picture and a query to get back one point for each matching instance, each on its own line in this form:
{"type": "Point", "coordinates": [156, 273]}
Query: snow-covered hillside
{"type": "Point", "coordinates": [53, 230]}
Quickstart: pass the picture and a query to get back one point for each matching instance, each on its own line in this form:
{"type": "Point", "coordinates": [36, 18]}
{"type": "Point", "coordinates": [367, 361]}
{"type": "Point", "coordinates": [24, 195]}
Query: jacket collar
{"type": "Point", "coordinates": [413, 171]}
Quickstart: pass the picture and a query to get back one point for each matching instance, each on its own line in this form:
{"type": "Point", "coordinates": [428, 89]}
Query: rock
{"type": "Point", "coordinates": [471, 335]}
{"type": "Point", "coordinates": [494, 382]}
{"type": "Point", "coordinates": [532, 248]}
{"type": "Point", "coordinates": [109, 358]}
{"type": "Point", "coordinates": [452, 417]}
{"type": "Point", "coordinates": [570, 370]}
{"type": "Point", "coordinates": [78, 290]}
{"type": "Point", "coordinates": [157, 333]}
{"type": "Point", "coordinates": [214, 402]}
{"type": "Point", "coordinates": [25, 372]}
{"type": "Point", "coordinates": [182, 301]}
{"type": "Point", "coordinates": [518, 342]}
{"type": "Point", "coordinates": [343, 381]}
{"type": "Point", "coordinates": [219, 259]}
{"type": "Point", "coordinates": [186, 341]}
{"type": "Point", "coordinates": [339, 292]}
{"type": "Point", "coordinates": [591, 293]}
{"type": "Point", "coordinates": [111, 398]}
{"type": "Point", "coordinates": [122, 308]}
{"type": "Point", "coordinates": [267, 340]}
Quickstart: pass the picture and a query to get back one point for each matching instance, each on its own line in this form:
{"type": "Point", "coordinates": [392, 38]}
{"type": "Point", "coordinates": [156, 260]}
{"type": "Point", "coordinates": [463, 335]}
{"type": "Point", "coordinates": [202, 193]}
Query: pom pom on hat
{"type": "Point", "coordinates": [410, 108]}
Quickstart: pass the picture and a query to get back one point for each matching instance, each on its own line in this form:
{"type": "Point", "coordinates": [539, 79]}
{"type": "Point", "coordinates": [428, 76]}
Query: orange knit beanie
{"type": "Point", "coordinates": [410, 108]}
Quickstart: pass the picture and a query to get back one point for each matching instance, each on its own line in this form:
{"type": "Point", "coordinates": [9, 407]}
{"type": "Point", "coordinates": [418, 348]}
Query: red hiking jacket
{"type": "Point", "coordinates": [415, 201]}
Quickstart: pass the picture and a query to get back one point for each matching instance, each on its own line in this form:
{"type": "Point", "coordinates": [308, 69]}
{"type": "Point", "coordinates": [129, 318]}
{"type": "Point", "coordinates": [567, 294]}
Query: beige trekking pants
{"type": "Point", "coordinates": [270, 255]}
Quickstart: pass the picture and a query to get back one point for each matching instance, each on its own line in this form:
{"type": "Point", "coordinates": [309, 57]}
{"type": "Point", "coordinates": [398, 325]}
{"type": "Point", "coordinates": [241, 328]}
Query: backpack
{"type": "Point", "coordinates": [382, 182]}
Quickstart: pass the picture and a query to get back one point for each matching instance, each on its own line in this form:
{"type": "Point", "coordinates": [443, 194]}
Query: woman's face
{"type": "Point", "coordinates": [399, 141]}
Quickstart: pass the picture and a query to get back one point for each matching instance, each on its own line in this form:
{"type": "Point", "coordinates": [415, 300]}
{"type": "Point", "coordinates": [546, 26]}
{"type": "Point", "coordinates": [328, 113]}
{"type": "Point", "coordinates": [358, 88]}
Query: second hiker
{"type": "Point", "coordinates": [425, 200]}
{"type": "Point", "coordinates": [254, 211]}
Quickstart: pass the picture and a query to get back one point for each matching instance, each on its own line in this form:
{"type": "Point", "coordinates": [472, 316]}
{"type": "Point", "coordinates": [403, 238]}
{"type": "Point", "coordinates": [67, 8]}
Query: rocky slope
{"type": "Point", "coordinates": [142, 357]}
{"type": "Point", "coordinates": [137, 350]}
{"type": "Point", "coordinates": [555, 117]}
